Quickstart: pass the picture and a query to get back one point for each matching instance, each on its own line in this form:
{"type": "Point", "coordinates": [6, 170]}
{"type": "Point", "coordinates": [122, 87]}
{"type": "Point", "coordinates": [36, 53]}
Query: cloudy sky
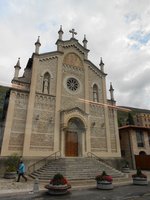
{"type": "Point", "coordinates": [116, 30]}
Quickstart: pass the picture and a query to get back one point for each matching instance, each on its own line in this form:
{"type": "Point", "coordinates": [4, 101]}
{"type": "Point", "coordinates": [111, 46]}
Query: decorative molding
{"type": "Point", "coordinates": [48, 58]}
{"type": "Point", "coordinates": [76, 112]}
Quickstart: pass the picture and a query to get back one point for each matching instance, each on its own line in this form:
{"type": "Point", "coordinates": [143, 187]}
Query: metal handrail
{"type": "Point", "coordinates": [44, 161]}
{"type": "Point", "coordinates": [91, 155]}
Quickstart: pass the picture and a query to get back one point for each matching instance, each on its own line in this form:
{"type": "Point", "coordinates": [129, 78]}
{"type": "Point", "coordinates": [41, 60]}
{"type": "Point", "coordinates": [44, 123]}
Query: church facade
{"type": "Point", "coordinates": [60, 104]}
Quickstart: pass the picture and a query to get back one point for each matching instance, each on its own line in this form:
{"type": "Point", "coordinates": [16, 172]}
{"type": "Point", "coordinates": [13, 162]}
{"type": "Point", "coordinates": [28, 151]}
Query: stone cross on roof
{"type": "Point", "coordinates": [73, 32]}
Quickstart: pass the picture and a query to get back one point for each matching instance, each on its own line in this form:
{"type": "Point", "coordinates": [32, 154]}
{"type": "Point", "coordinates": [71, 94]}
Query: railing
{"type": "Point", "coordinates": [35, 166]}
{"type": "Point", "coordinates": [92, 155]}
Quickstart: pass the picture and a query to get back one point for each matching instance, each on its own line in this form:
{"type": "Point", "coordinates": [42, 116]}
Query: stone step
{"type": "Point", "coordinates": [75, 168]}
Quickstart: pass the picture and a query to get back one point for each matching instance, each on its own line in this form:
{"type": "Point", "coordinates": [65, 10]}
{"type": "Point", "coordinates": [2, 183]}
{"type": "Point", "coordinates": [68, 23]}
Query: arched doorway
{"type": "Point", "coordinates": [74, 137]}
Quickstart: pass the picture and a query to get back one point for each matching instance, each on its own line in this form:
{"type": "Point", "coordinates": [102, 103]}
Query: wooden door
{"type": "Point", "coordinates": [142, 162]}
{"type": "Point", "coordinates": [71, 144]}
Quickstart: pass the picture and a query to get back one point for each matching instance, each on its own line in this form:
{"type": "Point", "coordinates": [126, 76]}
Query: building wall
{"type": "Point", "coordinates": [128, 143]}
{"type": "Point", "coordinates": [34, 124]}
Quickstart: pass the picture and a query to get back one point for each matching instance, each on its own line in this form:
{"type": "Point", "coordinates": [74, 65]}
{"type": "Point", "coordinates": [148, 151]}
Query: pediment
{"type": "Point", "coordinates": [73, 43]}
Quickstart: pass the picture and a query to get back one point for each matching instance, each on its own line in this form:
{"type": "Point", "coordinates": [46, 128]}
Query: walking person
{"type": "Point", "coordinates": [21, 171]}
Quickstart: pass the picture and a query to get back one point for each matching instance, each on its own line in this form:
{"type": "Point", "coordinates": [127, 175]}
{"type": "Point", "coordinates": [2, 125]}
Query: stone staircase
{"type": "Point", "coordinates": [75, 169]}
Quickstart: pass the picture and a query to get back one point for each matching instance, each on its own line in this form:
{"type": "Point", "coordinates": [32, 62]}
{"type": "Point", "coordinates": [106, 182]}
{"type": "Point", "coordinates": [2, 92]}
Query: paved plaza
{"type": "Point", "coordinates": [129, 192]}
{"type": "Point", "coordinates": [11, 190]}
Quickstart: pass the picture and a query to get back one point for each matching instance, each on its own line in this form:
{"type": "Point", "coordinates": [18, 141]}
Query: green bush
{"type": "Point", "coordinates": [12, 163]}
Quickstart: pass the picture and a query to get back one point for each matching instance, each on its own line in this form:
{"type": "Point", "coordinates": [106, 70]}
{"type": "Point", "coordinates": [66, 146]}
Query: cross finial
{"type": "Point", "coordinates": [73, 32]}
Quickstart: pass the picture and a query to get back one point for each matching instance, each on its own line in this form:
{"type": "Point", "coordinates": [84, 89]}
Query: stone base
{"type": "Point", "coordinates": [125, 170]}
{"type": "Point", "coordinates": [104, 185]}
{"type": "Point", "coordinates": [140, 181]}
{"type": "Point", "coordinates": [57, 189]}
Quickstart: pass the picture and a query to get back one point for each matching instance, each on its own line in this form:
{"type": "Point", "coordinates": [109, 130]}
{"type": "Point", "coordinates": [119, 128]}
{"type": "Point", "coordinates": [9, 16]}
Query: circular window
{"type": "Point", "coordinates": [72, 84]}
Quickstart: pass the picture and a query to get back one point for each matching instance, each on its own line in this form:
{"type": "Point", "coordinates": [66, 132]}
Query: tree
{"type": "Point", "coordinates": [130, 120]}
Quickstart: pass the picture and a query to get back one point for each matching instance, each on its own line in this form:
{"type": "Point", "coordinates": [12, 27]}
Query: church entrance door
{"type": "Point", "coordinates": [71, 144]}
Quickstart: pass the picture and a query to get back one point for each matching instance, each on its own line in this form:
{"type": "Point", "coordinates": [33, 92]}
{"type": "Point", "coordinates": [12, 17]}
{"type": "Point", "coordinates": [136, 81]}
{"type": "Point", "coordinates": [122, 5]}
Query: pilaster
{"type": "Point", "coordinates": [106, 116]}
{"type": "Point", "coordinates": [30, 108]}
{"type": "Point", "coordinates": [117, 133]}
{"type": "Point", "coordinates": [8, 125]}
{"type": "Point", "coordinates": [57, 138]}
{"type": "Point", "coordinates": [87, 108]}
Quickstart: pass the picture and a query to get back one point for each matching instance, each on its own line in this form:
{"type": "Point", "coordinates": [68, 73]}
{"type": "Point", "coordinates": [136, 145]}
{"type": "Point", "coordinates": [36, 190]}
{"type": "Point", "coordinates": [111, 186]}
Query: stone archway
{"type": "Point", "coordinates": [74, 139]}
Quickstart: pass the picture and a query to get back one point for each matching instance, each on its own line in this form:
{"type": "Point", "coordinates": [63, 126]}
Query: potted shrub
{"type": "Point", "coordinates": [139, 178]}
{"type": "Point", "coordinates": [104, 181]}
{"type": "Point", "coordinates": [58, 185]}
{"type": "Point", "coordinates": [11, 166]}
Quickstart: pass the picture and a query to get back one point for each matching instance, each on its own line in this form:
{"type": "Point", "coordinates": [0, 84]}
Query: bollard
{"type": "Point", "coordinates": [36, 185]}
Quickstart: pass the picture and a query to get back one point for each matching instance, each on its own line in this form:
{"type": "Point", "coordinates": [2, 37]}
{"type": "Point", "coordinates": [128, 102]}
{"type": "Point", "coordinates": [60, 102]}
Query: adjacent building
{"type": "Point", "coordinates": [135, 137]}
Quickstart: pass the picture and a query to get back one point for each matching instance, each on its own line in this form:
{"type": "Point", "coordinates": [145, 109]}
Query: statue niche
{"type": "Point", "coordinates": [46, 83]}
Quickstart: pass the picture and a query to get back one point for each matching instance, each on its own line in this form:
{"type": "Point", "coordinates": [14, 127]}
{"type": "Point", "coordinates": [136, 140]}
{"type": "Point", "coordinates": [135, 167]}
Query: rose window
{"type": "Point", "coordinates": [72, 84]}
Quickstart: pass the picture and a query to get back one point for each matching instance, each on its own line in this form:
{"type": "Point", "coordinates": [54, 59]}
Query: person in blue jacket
{"type": "Point", "coordinates": [21, 171]}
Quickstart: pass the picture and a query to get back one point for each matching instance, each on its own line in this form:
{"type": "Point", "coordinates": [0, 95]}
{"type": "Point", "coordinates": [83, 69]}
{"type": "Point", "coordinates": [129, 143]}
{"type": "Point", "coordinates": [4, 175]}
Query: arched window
{"type": "Point", "coordinates": [46, 83]}
{"type": "Point", "coordinates": [95, 93]}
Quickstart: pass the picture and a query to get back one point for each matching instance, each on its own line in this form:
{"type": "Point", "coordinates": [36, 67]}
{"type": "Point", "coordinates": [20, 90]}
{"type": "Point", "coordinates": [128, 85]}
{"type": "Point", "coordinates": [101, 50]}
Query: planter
{"type": "Point", "coordinates": [125, 169]}
{"type": "Point", "coordinates": [140, 181]}
{"type": "Point", "coordinates": [10, 175]}
{"type": "Point", "coordinates": [104, 185]}
{"type": "Point", "coordinates": [57, 189]}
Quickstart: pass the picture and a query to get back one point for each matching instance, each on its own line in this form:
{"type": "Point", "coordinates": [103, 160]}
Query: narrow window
{"type": "Point", "coordinates": [95, 93]}
{"type": "Point", "coordinates": [140, 138]}
{"type": "Point", "coordinates": [149, 137]}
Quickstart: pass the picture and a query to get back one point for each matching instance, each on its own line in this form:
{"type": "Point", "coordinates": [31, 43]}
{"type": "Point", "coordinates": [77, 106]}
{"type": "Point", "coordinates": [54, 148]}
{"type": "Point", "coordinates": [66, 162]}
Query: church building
{"type": "Point", "coordinates": [60, 105]}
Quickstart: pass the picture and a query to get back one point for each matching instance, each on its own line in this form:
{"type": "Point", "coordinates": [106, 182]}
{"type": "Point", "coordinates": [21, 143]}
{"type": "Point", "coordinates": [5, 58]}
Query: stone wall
{"type": "Point", "coordinates": [19, 121]}
{"type": "Point", "coordinates": [42, 137]}
{"type": "Point", "coordinates": [98, 130]}
{"type": "Point", "coordinates": [112, 130]}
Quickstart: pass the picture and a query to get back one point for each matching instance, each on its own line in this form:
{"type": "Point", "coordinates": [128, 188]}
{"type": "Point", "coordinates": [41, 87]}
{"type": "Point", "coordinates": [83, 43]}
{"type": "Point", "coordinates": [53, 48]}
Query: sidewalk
{"type": "Point", "coordinates": [8, 186]}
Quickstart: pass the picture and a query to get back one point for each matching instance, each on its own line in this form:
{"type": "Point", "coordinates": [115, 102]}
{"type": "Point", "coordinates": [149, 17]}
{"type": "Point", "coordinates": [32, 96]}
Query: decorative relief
{"type": "Point", "coordinates": [99, 143]}
{"type": "Point", "coordinates": [20, 113]}
{"type": "Point", "coordinates": [96, 110]}
{"type": "Point", "coordinates": [42, 127]}
{"type": "Point", "coordinates": [98, 150]}
{"type": "Point", "coordinates": [21, 100]}
{"type": "Point", "coordinates": [18, 125]}
{"type": "Point", "coordinates": [69, 103]}
{"type": "Point", "coordinates": [73, 59]}
{"type": "Point", "coordinates": [98, 132]}
{"type": "Point", "coordinates": [113, 144]}
{"type": "Point", "coordinates": [73, 69]}
{"type": "Point", "coordinates": [16, 139]}
{"type": "Point", "coordinates": [43, 115]}
{"type": "Point", "coordinates": [15, 148]}
{"type": "Point", "coordinates": [34, 148]}
{"type": "Point", "coordinates": [44, 102]}
{"type": "Point", "coordinates": [42, 140]}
